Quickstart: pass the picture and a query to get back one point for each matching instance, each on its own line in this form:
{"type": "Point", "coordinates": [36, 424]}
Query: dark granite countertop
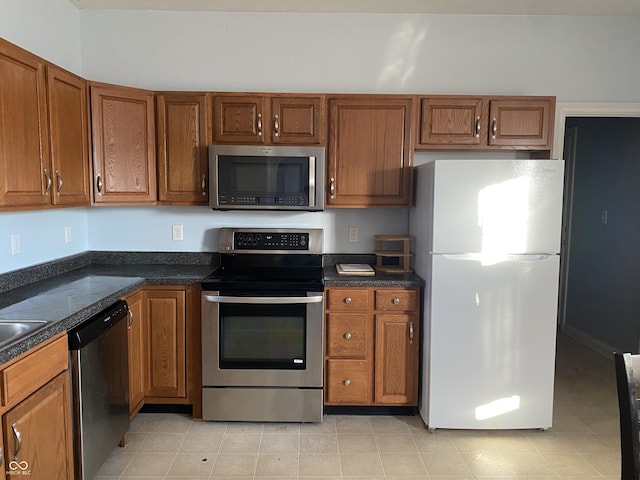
{"type": "Point", "coordinates": [333, 279]}
{"type": "Point", "coordinates": [66, 299]}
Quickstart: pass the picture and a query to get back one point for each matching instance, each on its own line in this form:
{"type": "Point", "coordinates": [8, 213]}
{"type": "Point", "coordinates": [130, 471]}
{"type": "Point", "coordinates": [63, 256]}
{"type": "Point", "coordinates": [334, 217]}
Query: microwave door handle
{"type": "Point", "coordinates": [263, 300]}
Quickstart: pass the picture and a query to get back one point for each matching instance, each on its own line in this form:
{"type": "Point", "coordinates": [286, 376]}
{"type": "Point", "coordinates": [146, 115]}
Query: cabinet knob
{"type": "Point", "coordinates": [347, 300]}
{"type": "Point", "coordinates": [259, 125]}
{"type": "Point", "coordinates": [99, 184]}
{"type": "Point", "coordinates": [494, 127]}
{"type": "Point", "coordinates": [332, 187]}
{"type": "Point", "coordinates": [204, 185]}
{"type": "Point", "coordinates": [478, 126]}
{"type": "Point", "coordinates": [396, 301]}
{"type": "Point", "coordinates": [347, 381]}
{"type": "Point", "coordinates": [347, 335]}
{"type": "Point", "coordinates": [276, 126]}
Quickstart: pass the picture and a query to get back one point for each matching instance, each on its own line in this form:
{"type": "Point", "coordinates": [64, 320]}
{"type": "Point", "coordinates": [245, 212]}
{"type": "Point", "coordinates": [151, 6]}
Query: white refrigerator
{"type": "Point", "coordinates": [487, 243]}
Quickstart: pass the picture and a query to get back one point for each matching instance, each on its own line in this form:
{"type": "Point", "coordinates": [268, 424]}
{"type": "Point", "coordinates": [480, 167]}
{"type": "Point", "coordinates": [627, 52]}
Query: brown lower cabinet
{"type": "Point", "coordinates": [36, 414]}
{"type": "Point", "coordinates": [372, 346]}
{"type": "Point", "coordinates": [164, 347]}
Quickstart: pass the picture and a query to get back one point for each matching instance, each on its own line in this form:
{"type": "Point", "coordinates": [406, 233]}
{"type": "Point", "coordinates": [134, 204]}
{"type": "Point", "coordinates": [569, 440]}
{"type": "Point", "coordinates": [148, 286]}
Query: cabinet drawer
{"type": "Point", "coordinates": [34, 370]}
{"type": "Point", "coordinates": [347, 335]}
{"type": "Point", "coordinates": [348, 381]}
{"type": "Point", "coordinates": [347, 299]}
{"type": "Point", "coordinates": [396, 300]}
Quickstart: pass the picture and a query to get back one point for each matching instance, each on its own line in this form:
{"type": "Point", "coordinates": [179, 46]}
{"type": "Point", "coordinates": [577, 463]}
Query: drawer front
{"type": "Point", "coordinates": [31, 372]}
{"type": "Point", "coordinates": [396, 300]}
{"type": "Point", "coordinates": [348, 299]}
{"type": "Point", "coordinates": [348, 381]}
{"type": "Point", "coordinates": [347, 335]}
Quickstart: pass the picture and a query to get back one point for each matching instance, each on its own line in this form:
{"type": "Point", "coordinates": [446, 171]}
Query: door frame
{"type": "Point", "coordinates": [578, 109]}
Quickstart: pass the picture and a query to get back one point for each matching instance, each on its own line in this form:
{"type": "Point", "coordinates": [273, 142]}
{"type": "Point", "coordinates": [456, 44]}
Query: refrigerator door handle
{"type": "Point", "coordinates": [530, 257]}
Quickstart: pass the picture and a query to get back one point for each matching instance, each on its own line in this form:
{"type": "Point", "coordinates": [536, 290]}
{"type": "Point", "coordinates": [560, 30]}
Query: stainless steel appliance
{"type": "Point", "coordinates": [266, 177]}
{"type": "Point", "coordinates": [100, 386]}
{"type": "Point", "coordinates": [262, 327]}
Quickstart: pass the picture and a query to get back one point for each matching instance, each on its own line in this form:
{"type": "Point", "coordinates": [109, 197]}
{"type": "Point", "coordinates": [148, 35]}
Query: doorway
{"type": "Point", "coordinates": [597, 304]}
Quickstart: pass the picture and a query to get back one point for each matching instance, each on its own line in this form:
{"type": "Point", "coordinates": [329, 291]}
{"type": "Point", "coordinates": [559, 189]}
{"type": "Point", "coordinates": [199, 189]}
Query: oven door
{"type": "Point", "coordinates": [262, 340]}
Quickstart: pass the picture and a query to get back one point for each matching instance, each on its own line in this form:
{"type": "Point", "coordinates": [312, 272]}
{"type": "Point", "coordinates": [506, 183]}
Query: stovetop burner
{"type": "Point", "coordinates": [268, 260]}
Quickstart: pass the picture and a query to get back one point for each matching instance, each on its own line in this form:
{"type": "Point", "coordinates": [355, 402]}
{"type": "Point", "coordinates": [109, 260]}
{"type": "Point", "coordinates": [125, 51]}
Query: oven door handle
{"type": "Point", "coordinates": [258, 300]}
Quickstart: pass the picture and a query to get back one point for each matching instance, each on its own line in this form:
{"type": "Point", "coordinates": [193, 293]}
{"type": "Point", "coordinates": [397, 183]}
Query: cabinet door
{"type": "Point", "coordinates": [452, 121]}
{"type": "Point", "coordinates": [43, 423]}
{"type": "Point", "coordinates": [396, 359]}
{"type": "Point", "coordinates": [25, 172]}
{"type": "Point", "coordinates": [522, 122]}
{"type": "Point", "coordinates": [165, 352]}
{"type": "Point", "coordinates": [239, 119]}
{"type": "Point", "coordinates": [297, 120]}
{"type": "Point", "coordinates": [69, 130]}
{"type": "Point", "coordinates": [123, 145]}
{"type": "Point", "coordinates": [370, 152]}
{"type": "Point", "coordinates": [135, 338]}
{"type": "Point", "coordinates": [182, 149]}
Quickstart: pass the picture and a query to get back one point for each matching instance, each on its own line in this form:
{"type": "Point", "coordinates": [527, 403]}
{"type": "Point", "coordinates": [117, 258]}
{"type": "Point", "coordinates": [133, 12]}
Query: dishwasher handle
{"type": "Point", "coordinates": [88, 330]}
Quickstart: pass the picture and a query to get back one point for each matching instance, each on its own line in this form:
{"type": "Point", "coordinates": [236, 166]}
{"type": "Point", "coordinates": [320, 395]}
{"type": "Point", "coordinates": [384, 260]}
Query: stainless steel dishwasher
{"type": "Point", "coordinates": [100, 387]}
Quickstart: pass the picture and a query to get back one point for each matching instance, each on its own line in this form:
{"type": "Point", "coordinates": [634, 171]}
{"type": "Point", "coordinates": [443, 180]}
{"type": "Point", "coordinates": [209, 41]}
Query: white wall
{"type": "Point", "coordinates": [574, 58]}
{"type": "Point", "coordinates": [48, 28]}
{"type": "Point", "coordinates": [149, 228]}
{"type": "Point", "coordinates": [41, 236]}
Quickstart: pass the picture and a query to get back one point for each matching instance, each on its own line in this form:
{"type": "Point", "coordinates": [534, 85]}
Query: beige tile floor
{"type": "Point", "coordinates": [583, 443]}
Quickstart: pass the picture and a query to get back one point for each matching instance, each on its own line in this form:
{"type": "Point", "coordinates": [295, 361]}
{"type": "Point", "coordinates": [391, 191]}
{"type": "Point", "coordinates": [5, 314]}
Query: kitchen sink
{"type": "Point", "coordinates": [11, 331]}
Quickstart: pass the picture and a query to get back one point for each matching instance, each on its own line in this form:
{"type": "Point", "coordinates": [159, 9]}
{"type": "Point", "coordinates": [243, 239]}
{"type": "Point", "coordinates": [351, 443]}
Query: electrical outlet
{"type": "Point", "coordinates": [354, 234]}
{"type": "Point", "coordinates": [15, 243]}
{"type": "Point", "coordinates": [176, 232]}
{"type": "Point", "coordinates": [67, 234]}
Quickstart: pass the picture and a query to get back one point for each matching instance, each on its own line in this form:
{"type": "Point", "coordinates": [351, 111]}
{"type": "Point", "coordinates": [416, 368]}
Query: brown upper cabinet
{"type": "Point", "coordinates": [182, 148]}
{"type": "Point", "coordinates": [489, 123]}
{"type": "Point", "coordinates": [44, 154]}
{"type": "Point", "coordinates": [69, 130]}
{"type": "Point", "coordinates": [124, 163]}
{"type": "Point", "coordinates": [370, 153]}
{"type": "Point", "coordinates": [268, 119]}
{"type": "Point", "coordinates": [25, 173]}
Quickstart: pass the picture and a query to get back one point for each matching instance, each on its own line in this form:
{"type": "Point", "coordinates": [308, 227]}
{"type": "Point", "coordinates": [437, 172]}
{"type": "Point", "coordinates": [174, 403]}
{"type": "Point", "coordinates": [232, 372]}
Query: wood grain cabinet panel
{"type": "Point", "coordinates": [370, 155]}
{"type": "Point", "coordinates": [25, 167]}
{"type": "Point", "coordinates": [136, 346]}
{"type": "Point", "coordinates": [268, 119]}
{"type": "Point", "coordinates": [69, 138]}
{"type": "Point", "coordinates": [43, 421]}
{"type": "Point", "coordinates": [36, 413]}
{"type": "Point", "coordinates": [449, 122]}
{"type": "Point", "coordinates": [518, 122]}
{"type": "Point", "coordinates": [182, 149]}
{"type": "Point", "coordinates": [297, 120]}
{"type": "Point", "coordinates": [124, 164]}
{"type": "Point", "coordinates": [165, 348]}
{"type": "Point", "coordinates": [396, 354]}
{"type": "Point", "coordinates": [372, 346]}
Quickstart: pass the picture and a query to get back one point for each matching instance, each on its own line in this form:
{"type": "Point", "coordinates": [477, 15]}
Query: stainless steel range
{"type": "Point", "coordinates": [262, 327]}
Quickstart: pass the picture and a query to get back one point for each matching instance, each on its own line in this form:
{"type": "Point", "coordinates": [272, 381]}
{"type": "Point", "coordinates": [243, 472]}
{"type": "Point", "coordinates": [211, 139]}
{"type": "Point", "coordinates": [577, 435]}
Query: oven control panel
{"type": "Point", "coordinates": [270, 241]}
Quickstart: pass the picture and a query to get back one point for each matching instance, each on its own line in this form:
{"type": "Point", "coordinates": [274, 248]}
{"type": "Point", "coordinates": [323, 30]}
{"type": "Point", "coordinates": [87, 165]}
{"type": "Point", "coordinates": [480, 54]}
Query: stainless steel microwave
{"type": "Point", "coordinates": [266, 177]}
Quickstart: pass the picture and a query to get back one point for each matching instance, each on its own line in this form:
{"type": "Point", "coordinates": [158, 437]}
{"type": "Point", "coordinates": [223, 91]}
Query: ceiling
{"type": "Point", "coordinates": [491, 7]}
